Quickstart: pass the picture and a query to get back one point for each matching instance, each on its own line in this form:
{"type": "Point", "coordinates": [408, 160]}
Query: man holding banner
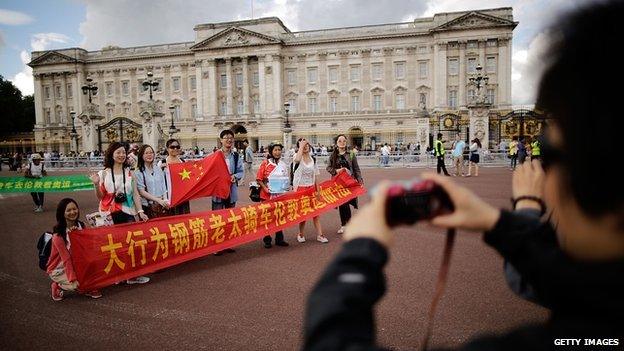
{"type": "Point", "coordinates": [235, 169]}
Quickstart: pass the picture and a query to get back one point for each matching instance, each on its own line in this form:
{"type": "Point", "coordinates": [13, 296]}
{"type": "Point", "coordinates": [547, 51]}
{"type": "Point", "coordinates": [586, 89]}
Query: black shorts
{"type": "Point", "coordinates": [474, 158]}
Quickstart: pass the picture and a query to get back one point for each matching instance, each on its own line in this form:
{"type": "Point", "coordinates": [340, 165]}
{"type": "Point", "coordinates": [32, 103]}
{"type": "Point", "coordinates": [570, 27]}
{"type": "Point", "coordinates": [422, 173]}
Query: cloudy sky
{"type": "Point", "coordinates": [31, 25]}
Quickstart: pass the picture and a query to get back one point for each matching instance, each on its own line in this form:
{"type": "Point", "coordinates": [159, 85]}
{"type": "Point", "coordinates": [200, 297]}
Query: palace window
{"type": "Point", "coordinates": [354, 74]}
{"type": "Point", "coordinates": [453, 66]}
{"type": "Point", "coordinates": [452, 99]}
{"type": "Point", "coordinates": [124, 88]}
{"type": "Point", "coordinates": [472, 65]}
{"type": "Point", "coordinates": [223, 81]}
{"type": "Point", "coordinates": [312, 75]}
{"type": "Point", "coordinates": [333, 104]}
{"type": "Point", "coordinates": [223, 108]}
{"type": "Point", "coordinates": [491, 96]}
{"type": "Point", "coordinates": [490, 64]}
{"type": "Point", "coordinates": [400, 101]}
{"type": "Point", "coordinates": [175, 83]}
{"type": "Point", "coordinates": [377, 102]}
{"type": "Point", "coordinates": [57, 91]}
{"type": "Point", "coordinates": [312, 105]}
{"type": "Point", "coordinates": [292, 77]}
{"type": "Point", "coordinates": [355, 103]}
{"type": "Point", "coordinates": [333, 74]}
{"type": "Point", "coordinates": [255, 78]}
{"type": "Point", "coordinates": [256, 103]}
{"type": "Point", "coordinates": [109, 89]}
{"type": "Point", "coordinates": [194, 111]}
{"type": "Point", "coordinates": [239, 107]}
{"type": "Point", "coordinates": [423, 69]}
{"type": "Point", "coordinates": [193, 83]}
{"type": "Point", "coordinates": [377, 71]}
{"type": "Point", "coordinates": [46, 92]}
{"type": "Point", "coordinates": [399, 70]}
{"type": "Point", "coordinates": [239, 80]}
{"type": "Point", "coordinates": [292, 102]}
{"type": "Point", "coordinates": [70, 93]}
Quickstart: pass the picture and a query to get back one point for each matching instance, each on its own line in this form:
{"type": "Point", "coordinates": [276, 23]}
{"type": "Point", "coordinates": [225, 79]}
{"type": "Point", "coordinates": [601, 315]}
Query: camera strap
{"type": "Point", "coordinates": [440, 285]}
{"type": "Point", "coordinates": [123, 185]}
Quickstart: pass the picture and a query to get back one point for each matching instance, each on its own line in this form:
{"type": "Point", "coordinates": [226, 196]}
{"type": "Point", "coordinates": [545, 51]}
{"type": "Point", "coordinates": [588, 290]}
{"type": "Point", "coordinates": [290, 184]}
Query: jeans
{"type": "Point", "coordinates": [37, 198]}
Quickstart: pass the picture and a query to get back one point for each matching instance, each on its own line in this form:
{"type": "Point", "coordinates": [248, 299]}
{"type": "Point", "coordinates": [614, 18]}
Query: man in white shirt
{"type": "Point", "coordinates": [35, 170]}
{"type": "Point", "coordinates": [458, 155]}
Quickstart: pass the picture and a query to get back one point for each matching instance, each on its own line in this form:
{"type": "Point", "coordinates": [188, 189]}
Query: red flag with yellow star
{"type": "Point", "coordinates": [207, 177]}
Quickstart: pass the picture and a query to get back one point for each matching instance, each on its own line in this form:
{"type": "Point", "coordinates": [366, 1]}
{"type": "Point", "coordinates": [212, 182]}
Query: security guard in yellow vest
{"type": "Point", "coordinates": [439, 152]}
{"type": "Point", "coordinates": [536, 151]}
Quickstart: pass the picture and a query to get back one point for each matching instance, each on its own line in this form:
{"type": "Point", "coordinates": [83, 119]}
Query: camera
{"type": "Point", "coordinates": [120, 198]}
{"type": "Point", "coordinates": [415, 200]}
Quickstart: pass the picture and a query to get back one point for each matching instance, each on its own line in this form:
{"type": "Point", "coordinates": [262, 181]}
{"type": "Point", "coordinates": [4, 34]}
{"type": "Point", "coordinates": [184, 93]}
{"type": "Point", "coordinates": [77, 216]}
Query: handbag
{"type": "Point", "coordinates": [155, 209]}
{"type": "Point", "coordinates": [254, 192]}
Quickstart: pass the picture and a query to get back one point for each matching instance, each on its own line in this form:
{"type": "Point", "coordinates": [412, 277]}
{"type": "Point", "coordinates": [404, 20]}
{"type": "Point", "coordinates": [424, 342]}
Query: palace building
{"type": "Point", "coordinates": [393, 83]}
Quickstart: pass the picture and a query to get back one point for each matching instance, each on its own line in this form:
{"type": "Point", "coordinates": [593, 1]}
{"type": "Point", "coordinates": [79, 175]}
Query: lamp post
{"type": "Point", "coordinates": [287, 128]}
{"type": "Point", "coordinates": [73, 134]}
{"type": "Point", "coordinates": [480, 80]}
{"type": "Point", "coordinates": [286, 109]}
{"type": "Point", "coordinates": [172, 127]}
{"type": "Point", "coordinates": [150, 83]}
{"type": "Point", "coordinates": [90, 88]}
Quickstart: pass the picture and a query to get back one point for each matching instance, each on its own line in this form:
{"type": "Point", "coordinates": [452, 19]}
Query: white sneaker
{"type": "Point", "coordinates": [138, 280]}
{"type": "Point", "coordinates": [340, 231]}
{"type": "Point", "coordinates": [301, 238]}
{"type": "Point", "coordinates": [322, 239]}
{"type": "Point", "coordinates": [39, 209]}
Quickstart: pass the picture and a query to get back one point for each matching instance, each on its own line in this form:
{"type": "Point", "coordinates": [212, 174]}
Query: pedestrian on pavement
{"type": "Point", "coordinates": [458, 155]}
{"type": "Point", "coordinates": [536, 149]}
{"type": "Point", "coordinates": [439, 153]}
{"type": "Point", "coordinates": [513, 152]}
{"type": "Point", "coordinates": [342, 161]}
{"type": "Point", "coordinates": [522, 151]}
{"type": "Point", "coordinates": [305, 172]}
{"type": "Point", "coordinates": [36, 170]}
{"type": "Point", "coordinates": [60, 267]}
{"type": "Point", "coordinates": [475, 149]}
{"type": "Point", "coordinates": [151, 184]}
{"type": "Point", "coordinates": [248, 158]}
{"type": "Point", "coordinates": [274, 180]}
{"type": "Point", "coordinates": [235, 168]}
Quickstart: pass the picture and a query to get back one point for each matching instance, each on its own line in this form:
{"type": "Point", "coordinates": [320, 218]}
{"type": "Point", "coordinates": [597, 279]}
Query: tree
{"type": "Point", "coordinates": [17, 113]}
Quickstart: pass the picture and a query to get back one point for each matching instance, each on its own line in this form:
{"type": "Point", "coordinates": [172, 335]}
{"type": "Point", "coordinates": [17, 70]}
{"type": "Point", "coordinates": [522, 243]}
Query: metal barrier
{"type": "Point", "coordinates": [365, 160]}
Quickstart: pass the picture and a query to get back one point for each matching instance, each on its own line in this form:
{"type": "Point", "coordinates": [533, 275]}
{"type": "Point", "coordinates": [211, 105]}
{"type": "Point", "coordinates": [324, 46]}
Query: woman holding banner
{"type": "Point", "coordinates": [343, 161]}
{"type": "Point", "coordinates": [304, 171]}
{"type": "Point", "coordinates": [173, 157]}
{"type": "Point", "coordinates": [151, 183]}
{"type": "Point", "coordinates": [274, 180]}
{"type": "Point", "coordinates": [60, 268]}
{"type": "Point", "coordinates": [116, 188]}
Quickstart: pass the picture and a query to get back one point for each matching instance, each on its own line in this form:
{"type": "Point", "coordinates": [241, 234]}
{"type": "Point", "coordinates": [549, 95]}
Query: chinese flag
{"type": "Point", "coordinates": [207, 177]}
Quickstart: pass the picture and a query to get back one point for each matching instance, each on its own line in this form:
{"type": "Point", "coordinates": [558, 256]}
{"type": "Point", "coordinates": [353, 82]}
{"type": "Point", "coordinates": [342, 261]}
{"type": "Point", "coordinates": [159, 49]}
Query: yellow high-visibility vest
{"type": "Point", "coordinates": [440, 152]}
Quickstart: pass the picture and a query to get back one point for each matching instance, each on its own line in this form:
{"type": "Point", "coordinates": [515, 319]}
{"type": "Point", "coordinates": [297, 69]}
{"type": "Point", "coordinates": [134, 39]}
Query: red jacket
{"type": "Point", "coordinates": [60, 255]}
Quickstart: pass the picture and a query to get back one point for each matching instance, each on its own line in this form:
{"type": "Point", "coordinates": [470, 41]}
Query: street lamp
{"type": "Point", "coordinates": [172, 127]}
{"type": "Point", "coordinates": [477, 79]}
{"type": "Point", "coordinates": [150, 83]}
{"type": "Point", "coordinates": [286, 106]}
{"type": "Point", "coordinates": [73, 134]}
{"type": "Point", "coordinates": [89, 88]}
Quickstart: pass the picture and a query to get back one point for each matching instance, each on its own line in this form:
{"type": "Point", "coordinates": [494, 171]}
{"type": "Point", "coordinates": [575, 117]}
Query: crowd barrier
{"type": "Point", "coordinates": [365, 160]}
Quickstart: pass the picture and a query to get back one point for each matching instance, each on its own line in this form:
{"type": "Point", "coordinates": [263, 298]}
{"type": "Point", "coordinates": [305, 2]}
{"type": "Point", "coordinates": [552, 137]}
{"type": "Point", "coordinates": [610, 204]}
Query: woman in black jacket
{"type": "Point", "coordinates": [576, 270]}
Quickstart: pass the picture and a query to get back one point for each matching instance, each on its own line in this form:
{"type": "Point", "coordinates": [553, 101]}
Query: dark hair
{"type": "Point", "coordinates": [476, 140]}
{"type": "Point", "coordinates": [270, 150]}
{"type": "Point", "coordinates": [515, 137]}
{"type": "Point", "coordinates": [109, 161]}
{"type": "Point", "coordinates": [333, 158]}
{"type": "Point", "coordinates": [140, 161]}
{"type": "Point", "coordinates": [61, 224]}
{"type": "Point", "coordinates": [439, 135]}
{"type": "Point", "coordinates": [580, 103]}
{"type": "Point", "coordinates": [245, 141]}
{"type": "Point", "coordinates": [171, 141]}
{"type": "Point", "coordinates": [226, 132]}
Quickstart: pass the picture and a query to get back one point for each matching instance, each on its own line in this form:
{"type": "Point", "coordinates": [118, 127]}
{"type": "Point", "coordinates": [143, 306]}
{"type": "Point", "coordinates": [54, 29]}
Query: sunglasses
{"type": "Point", "coordinates": [174, 146]}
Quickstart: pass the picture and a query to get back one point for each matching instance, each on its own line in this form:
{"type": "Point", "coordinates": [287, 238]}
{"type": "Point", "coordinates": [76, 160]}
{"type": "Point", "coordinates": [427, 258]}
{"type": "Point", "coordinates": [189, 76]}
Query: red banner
{"type": "Point", "coordinates": [206, 177]}
{"type": "Point", "coordinates": [106, 255]}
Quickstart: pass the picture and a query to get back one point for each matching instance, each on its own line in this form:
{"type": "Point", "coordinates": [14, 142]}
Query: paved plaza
{"type": "Point", "coordinates": [255, 298]}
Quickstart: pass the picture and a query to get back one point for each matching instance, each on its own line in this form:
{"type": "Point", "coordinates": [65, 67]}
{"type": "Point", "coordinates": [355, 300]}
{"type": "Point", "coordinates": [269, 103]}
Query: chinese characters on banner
{"type": "Point", "coordinates": [45, 184]}
{"type": "Point", "coordinates": [106, 255]}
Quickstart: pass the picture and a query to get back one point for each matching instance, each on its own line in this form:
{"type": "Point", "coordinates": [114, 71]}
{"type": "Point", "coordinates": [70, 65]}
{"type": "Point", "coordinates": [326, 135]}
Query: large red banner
{"type": "Point", "coordinates": [106, 255]}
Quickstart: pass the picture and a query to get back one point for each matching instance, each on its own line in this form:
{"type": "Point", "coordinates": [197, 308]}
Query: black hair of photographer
{"type": "Point", "coordinates": [575, 270]}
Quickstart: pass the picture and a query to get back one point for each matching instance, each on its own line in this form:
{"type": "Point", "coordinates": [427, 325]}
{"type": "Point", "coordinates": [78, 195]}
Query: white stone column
{"type": "Point", "coordinates": [210, 94]}
{"type": "Point", "coordinates": [39, 110]}
{"type": "Point", "coordinates": [462, 80]}
{"type": "Point", "coordinates": [439, 54]}
{"type": "Point", "coordinates": [78, 96]}
{"type": "Point", "coordinates": [53, 116]}
{"type": "Point", "coordinates": [262, 85]}
{"type": "Point", "coordinates": [245, 86]}
{"type": "Point", "coordinates": [64, 104]}
{"type": "Point", "coordinates": [199, 91]}
{"type": "Point", "coordinates": [503, 73]}
{"type": "Point", "coordinates": [277, 85]}
{"type": "Point", "coordinates": [230, 86]}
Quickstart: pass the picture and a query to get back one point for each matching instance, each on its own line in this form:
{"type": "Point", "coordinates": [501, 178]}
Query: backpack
{"type": "Point", "coordinates": [44, 247]}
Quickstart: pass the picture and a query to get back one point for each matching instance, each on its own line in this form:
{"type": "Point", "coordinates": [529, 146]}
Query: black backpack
{"type": "Point", "coordinates": [44, 247]}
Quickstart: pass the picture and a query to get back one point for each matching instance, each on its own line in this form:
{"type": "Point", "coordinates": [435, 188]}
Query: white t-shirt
{"type": "Point", "coordinates": [36, 170]}
{"type": "Point", "coordinates": [305, 175]}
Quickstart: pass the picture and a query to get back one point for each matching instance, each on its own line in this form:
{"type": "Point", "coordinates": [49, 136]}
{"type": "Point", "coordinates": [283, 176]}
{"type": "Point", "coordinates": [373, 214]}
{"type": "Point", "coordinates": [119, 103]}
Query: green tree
{"type": "Point", "coordinates": [17, 113]}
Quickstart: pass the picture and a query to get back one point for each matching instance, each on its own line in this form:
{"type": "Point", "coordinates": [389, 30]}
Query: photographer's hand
{"type": "Point", "coordinates": [470, 213]}
{"type": "Point", "coordinates": [528, 180]}
{"type": "Point", "coordinates": [370, 221]}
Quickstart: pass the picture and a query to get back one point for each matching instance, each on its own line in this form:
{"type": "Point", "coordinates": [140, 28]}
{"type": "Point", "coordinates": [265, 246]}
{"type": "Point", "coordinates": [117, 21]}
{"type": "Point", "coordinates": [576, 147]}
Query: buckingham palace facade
{"type": "Point", "coordinates": [389, 83]}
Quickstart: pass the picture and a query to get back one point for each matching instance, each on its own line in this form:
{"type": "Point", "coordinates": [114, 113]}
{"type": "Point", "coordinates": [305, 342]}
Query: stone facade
{"type": "Point", "coordinates": [381, 83]}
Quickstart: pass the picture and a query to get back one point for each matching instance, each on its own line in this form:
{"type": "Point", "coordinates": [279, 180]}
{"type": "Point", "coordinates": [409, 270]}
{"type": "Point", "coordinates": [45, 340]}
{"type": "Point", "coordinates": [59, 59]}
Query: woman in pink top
{"type": "Point", "coordinates": [60, 267]}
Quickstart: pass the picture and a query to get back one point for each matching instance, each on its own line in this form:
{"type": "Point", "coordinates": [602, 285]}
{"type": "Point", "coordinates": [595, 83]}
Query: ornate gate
{"type": "Point", "coordinates": [119, 129]}
{"type": "Point", "coordinates": [520, 123]}
{"type": "Point", "coordinates": [449, 124]}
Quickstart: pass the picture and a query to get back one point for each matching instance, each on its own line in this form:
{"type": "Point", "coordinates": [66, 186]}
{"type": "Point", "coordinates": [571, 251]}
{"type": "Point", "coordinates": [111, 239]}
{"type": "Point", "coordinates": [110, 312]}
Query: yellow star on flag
{"type": "Point", "coordinates": [185, 174]}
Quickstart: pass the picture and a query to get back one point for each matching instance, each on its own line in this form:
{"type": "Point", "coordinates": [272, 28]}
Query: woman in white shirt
{"type": "Point", "coordinates": [304, 178]}
{"type": "Point", "coordinates": [475, 148]}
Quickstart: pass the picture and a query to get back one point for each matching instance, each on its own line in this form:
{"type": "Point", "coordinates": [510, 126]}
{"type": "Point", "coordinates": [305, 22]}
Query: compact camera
{"type": "Point", "coordinates": [120, 198]}
{"type": "Point", "coordinates": [412, 201]}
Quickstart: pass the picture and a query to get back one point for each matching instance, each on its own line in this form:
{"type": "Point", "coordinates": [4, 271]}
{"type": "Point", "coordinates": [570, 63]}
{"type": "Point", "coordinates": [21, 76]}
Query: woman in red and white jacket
{"type": "Point", "coordinates": [60, 268]}
{"type": "Point", "coordinates": [274, 180]}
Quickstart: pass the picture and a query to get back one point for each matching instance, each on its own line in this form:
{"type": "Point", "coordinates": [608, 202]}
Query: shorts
{"type": "Point", "coordinates": [474, 158]}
